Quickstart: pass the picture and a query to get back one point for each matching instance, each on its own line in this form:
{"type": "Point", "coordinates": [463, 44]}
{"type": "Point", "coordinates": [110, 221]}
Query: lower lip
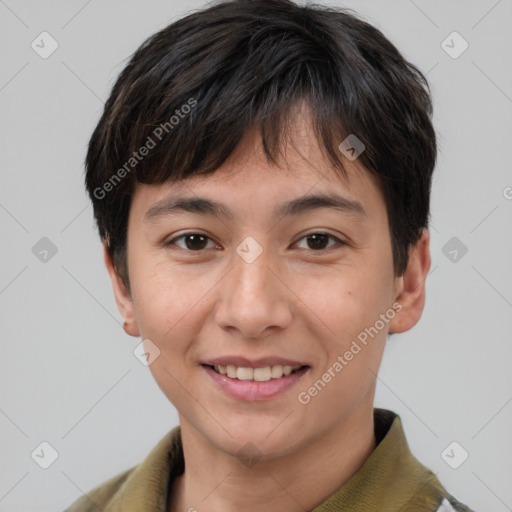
{"type": "Point", "coordinates": [252, 390]}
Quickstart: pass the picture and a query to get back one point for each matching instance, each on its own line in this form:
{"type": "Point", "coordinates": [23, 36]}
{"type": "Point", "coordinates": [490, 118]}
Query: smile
{"type": "Point", "coordinates": [255, 384]}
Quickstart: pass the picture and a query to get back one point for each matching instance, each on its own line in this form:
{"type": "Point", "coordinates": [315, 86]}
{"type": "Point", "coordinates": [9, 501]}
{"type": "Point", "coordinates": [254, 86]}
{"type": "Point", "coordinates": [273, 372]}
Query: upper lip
{"type": "Point", "coordinates": [243, 362]}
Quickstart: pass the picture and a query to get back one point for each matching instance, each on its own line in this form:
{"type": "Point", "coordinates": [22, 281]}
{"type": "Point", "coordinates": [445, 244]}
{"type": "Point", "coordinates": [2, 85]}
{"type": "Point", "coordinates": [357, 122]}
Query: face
{"type": "Point", "coordinates": [254, 284]}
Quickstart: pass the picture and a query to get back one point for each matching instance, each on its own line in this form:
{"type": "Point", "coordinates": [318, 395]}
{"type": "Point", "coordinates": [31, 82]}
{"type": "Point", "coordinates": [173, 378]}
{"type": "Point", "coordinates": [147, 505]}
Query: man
{"type": "Point", "coordinates": [261, 182]}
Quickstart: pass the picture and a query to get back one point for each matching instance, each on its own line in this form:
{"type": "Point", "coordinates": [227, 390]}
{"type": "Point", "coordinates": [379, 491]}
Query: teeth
{"type": "Point", "coordinates": [277, 371]}
{"type": "Point", "coordinates": [257, 374]}
{"type": "Point", "coordinates": [262, 374]}
{"type": "Point", "coordinates": [245, 374]}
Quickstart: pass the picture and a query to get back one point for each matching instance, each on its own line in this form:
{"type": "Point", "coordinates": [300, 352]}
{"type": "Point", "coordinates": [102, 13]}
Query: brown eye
{"type": "Point", "coordinates": [192, 241]}
{"type": "Point", "coordinates": [319, 241]}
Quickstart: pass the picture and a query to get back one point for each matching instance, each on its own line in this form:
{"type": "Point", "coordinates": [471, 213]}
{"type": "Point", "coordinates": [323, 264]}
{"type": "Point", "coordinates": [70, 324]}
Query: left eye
{"type": "Point", "coordinates": [318, 240]}
{"type": "Point", "coordinates": [196, 241]}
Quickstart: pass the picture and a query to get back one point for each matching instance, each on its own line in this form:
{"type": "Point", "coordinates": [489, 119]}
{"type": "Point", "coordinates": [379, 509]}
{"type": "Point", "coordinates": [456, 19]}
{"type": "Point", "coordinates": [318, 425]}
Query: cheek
{"type": "Point", "coordinates": [347, 301]}
{"type": "Point", "coordinates": [165, 302]}
{"type": "Point", "coordinates": [168, 312]}
{"type": "Point", "coordinates": [354, 352]}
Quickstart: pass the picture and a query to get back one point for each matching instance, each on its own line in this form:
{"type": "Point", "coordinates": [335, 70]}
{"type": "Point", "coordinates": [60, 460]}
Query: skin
{"type": "Point", "coordinates": [202, 303]}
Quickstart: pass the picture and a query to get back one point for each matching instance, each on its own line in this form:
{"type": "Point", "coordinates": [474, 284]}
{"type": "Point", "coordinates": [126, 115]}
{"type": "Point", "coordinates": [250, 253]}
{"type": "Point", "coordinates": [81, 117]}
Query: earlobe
{"type": "Point", "coordinates": [411, 289]}
{"type": "Point", "coordinates": [122, 296]}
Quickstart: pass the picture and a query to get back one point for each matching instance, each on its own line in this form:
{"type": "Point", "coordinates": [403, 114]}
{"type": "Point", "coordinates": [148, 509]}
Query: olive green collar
{"type": "Point", "coordinates": [390, 480]}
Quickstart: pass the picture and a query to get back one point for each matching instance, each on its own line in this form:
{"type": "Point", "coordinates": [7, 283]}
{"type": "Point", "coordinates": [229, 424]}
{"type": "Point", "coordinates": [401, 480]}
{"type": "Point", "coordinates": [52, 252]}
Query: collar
{"type": "Point", "coordinates": [390, 479]}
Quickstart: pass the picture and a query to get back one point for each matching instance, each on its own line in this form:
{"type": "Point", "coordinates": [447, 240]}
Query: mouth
{"type": "Point", "coordinates": [261, 374]}
{"type": "Point", "coordinates": [244, 383]}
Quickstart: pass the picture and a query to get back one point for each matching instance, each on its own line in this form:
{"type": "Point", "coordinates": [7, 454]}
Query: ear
{"type": "Point", "coordinates": [410, 293]}
{"type": "Point", "coordinates": [122, 296]}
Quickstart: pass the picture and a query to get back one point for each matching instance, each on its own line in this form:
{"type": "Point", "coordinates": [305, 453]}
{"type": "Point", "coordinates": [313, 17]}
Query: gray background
{"type": "Point", "coordinates": [67, 372]}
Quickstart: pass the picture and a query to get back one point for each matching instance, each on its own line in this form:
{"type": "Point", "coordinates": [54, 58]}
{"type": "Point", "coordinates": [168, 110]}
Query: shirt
{"type": "Point", "coordinates": [390, 480]}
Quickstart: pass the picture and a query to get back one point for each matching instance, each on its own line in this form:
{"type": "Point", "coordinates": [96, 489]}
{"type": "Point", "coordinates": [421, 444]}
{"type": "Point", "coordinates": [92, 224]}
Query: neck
{"type": "Point", "coordinates": [218, 482]}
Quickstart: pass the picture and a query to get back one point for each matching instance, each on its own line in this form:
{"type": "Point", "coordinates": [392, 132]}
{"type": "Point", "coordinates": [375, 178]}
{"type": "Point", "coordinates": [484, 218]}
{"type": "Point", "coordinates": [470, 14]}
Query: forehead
{"type": "Point", "coordinates": [247, 179]}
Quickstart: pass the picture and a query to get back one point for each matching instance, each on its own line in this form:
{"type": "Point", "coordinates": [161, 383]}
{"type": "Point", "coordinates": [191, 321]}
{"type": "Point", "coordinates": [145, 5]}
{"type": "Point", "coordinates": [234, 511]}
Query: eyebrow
{"type": "Point", "coordinates": [203, 206]}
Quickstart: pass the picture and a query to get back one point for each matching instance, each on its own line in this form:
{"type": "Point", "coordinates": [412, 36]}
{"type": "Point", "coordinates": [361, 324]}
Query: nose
{"type": "Point", "coordinates": [255, 299]}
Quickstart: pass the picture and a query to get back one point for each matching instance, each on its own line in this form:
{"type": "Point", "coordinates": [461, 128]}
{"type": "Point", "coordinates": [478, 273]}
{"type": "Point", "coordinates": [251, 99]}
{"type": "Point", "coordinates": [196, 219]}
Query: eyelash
{"type": "Point", "coordinates": [315, 251]}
